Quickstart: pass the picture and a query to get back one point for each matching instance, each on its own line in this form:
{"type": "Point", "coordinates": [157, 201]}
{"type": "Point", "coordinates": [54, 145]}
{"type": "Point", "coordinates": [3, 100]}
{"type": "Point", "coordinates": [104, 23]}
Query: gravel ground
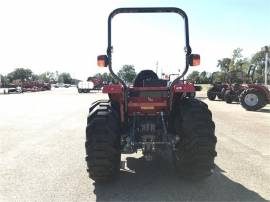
{"type": "Point", "coordinates": [42, 155]}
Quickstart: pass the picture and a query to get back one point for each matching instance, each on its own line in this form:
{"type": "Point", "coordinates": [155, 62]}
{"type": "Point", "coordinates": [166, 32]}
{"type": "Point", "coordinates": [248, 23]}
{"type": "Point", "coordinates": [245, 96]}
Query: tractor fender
{"type": "Point", "coordinates": [184, 88]}
{"type": "Point", "coordinates": [113, 89]}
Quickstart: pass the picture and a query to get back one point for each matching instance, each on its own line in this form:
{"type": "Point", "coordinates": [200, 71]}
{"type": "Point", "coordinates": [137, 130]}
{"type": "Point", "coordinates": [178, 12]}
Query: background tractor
{"type": "Point", "coordinates": [217, 88]}
{"type": "Point", "coordinates": [232, 80]}
{"type": "Point", "coordinates": [252, 96]}
{"type": "Point", "coordinates": [152, 115]}
{"type": "Point", "coordinates": [235, 80]}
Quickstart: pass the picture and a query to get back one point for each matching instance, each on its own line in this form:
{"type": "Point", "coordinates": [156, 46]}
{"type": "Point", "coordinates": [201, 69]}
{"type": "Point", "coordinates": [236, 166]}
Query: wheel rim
{"type": "Point", "coordinates": [251, 99]}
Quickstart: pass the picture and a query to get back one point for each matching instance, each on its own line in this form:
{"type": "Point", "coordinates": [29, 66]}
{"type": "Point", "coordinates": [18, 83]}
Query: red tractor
{"type": "Point", "coordinates": [232, 80]}
{"type": "Point", "coordinates": [216, 90]}
{"type": "Point", "coordinates": [35, 86]}
{"type": "Point", "coordinates": [234, 88]}
{"type": "Point", "coordinates": [97, 82]}
{"type": "Point", "coordinates": [152, 115]}
{"type": "Point", "coordinates": [252, 96]}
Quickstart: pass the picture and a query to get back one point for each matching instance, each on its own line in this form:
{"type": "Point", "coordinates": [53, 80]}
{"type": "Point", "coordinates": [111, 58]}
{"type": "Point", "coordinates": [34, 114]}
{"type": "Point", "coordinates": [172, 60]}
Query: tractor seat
{"type": "Point", "coordinates": [148, 78]}
{"type": "Point", "coordinates": [143, 76]}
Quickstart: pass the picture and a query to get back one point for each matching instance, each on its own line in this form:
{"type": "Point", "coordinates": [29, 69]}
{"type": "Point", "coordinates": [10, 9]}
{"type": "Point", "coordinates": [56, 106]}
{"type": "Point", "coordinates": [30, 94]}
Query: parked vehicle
{"type": "Point", "coordinates": [92, 83]}
{"type": "Point", "coordinates": [150, 116]}
{"type": "Point", "coordinates": [217, 88]}
{"type": "Point", "coordinates": [34, 86]}
{"type": "Point", "coordinates": [98, 82]}
{"type": "Point", "coordinates": [85, 86]}
{"type": "Point", "coordinates": [13, 89]}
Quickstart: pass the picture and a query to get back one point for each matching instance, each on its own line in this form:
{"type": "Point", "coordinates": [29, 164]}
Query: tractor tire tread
{"type": "Point", "coordinates": [195, 153]}
{"type": "Point", "coordinates": [211, 95]}
{"type": "Point", "coordinates": [228, 97]}
{"type": "Point", "coordinates": [261, 102]}
{"type": "Point", "coordinates": [102, 142]}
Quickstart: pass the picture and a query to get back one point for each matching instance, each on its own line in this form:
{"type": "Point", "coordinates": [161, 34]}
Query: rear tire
{"type": "Point", "coordinates": [195, 152]}
{"type": "Point", "coordinates": [252, 99]}
{"type": "Point", "coordinates": [220, 96]}
{"type": "Point", "coordinates": [191, 95]}
{"type": "Point", "coordinates": [222, 93]}
{"type": "Point", "coordinates": [211, 95]}
{"type": "Point", "coordinates": [102, 144]}
{"type": "Point", "coordinates": [228, 98]}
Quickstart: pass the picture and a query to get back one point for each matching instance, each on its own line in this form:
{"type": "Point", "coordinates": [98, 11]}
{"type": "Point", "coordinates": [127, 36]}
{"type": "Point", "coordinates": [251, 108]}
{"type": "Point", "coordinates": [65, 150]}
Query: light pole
{"type": "Point", "coordinates": [266, 63]}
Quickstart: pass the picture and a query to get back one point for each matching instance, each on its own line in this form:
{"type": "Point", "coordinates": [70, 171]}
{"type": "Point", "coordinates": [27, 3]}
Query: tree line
{"type": "Point", "coordinates": [20, 75]}
{"type": "Point", "coordinates": [127, 73]}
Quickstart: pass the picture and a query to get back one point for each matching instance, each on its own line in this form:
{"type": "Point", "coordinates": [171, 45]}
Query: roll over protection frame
{"type": "Point", "coordinates": [148, 10]}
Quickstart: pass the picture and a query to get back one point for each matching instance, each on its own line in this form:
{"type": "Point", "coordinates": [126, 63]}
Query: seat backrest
{"type": "Point", "coordinates": [143, 76]}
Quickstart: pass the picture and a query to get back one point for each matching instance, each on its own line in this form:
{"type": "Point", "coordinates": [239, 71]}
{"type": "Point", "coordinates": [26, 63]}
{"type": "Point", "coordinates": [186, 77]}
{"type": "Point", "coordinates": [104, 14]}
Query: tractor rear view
{"type": "Point", "coordinates": [151, 115]}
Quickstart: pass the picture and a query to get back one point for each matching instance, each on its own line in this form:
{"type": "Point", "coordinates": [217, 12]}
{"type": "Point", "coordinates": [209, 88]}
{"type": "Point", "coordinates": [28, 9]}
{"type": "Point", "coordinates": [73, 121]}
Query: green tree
{"type": "Point", "coordinates": [21, 74]}
{"type": "Point", "coordinates": [238, 62]}
{"type": "Point", "coordinates": [3, 81]}
{"type": "Point", "coordinates": [34, 77]}
{"type": "Point", "coordinates": [48, 77]}
{"type": "Point", "coordinates": [258, 59]}
{"type": "Point", "coordinates": [98, 75]}
{"type": "Point", "coordinates": [106, 77]}
{"type": "Point", "coordinates": [217, 77]}
{"type": "Point", "coordinates": [194, 76]}
{"type": "Point", "coordinates": [224, 64]}
{"type": "Point", "coordinates": [64, 78]}
{"type": "Point", "coordinates": [203, 77]}
{"type": "Point", "coordinates": [236, 76]}
{"type": "Point", "coordinates": [127, 73]}
{"type": "Point", "coordinates": [237, 54]}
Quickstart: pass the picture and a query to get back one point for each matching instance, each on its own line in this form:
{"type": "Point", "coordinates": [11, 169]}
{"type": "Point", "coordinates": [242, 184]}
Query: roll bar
{"type": "Point", "coordinates": [148, 10]}
{"type": "Point", "coordinates": [251, 71]}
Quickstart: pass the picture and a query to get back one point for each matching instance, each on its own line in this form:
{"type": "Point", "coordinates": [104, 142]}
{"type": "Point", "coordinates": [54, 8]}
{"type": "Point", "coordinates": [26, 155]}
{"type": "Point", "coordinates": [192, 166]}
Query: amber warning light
{"type": "Point", "coordinates": [195, 60]}
{"type": "Point", "coordinates": [102, 61]}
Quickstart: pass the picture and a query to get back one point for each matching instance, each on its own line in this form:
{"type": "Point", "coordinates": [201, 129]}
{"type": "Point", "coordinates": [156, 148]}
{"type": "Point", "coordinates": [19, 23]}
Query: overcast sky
{"type": "Point", "coordinates": [67, 35]}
